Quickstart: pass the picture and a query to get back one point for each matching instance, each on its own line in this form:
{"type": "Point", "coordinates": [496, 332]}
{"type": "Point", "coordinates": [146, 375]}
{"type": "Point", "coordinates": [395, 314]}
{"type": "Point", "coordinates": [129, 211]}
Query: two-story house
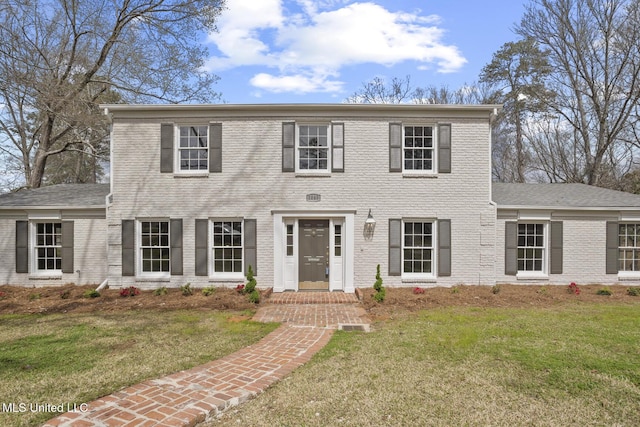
{"type": "Point", "coordinates": [313, 197]}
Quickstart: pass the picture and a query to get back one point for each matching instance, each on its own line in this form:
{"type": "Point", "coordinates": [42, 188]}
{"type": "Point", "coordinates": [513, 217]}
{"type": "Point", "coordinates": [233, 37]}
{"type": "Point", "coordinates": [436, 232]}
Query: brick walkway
{"type": "Point", "coordinates": [189, 397]}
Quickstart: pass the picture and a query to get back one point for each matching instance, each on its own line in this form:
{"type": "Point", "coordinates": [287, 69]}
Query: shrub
{"type": "Point", "coordinates": [495, 289]}
{"type": "Point", "coordinates": [186, 290]}
{"type": "Point", "coordinates": [418, 290]}
{"type": "Point", "coordinates": [573, 289]}
{"type": "Point", "coordinates": [251, 282]}
{"type": "Point", "coordinates": [34, 297]}
{"type": "Point", "coordinates": [455, 289]}
{"type": "Point", "coordinates": [240, 288]}
{"type": "Point", "coordinates": [3, 295]}
{"type": "Point", "coordinates": [131, 291]}
{"type": "Point", "coordinates": [604, 291]}
{"type": "Point", "coordinates": [633, 291]}
{"type": "Point", "coordinates": [254, 296]}
{"type": "Point", "coordinates": [91, 293]}
{"type": "Point", "coordinates": [65, 294]}
{"type": "Point", "coordinates": [160, 291]}
{"type": "Point", "coordinates": [543, 290]}
{"type": "Point", "coordinates": [208, 291]}
{"type": "Point", "coordinates": [380, 291]}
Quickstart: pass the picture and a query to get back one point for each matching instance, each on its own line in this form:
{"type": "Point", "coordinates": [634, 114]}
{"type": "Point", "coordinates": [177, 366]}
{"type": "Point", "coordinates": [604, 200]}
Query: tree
{"type": "Point", "coordinates": [592, 47]}
{"type": "Point", "coordinates": [59, 58]}
{"type": "Point", "coordinates": [377, 91]}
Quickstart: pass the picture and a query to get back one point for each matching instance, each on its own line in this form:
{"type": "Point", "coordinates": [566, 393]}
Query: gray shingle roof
{"type": "Point", "coordinates": [561, 196]}
{"type": "Point", "coordinates": [57, 196]}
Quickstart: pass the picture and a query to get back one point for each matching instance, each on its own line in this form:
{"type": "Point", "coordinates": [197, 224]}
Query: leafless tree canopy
{"type": "Point", "coordinates": [60, 58]}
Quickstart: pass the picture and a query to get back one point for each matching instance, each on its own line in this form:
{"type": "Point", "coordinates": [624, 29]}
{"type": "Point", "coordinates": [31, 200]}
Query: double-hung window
{"type": "Point", "coordinates": [532, 248]}
{"type": "Point", "coordinates": [227, 247]}
{"type": "Point", "coordinates": [193, 149]}
{"type": "Point", "coordinates": [418, 149]}
{"type": "Point", "coordinates": [154, 247]}
{"type": "Point", "coordinates": [629, 247]}
{"type": "Point", "coordinates": [418, 248]}
{"type": "Point", "coordinates": [313, 145]}
{"type": "Point", "coordinates": [48, 247]}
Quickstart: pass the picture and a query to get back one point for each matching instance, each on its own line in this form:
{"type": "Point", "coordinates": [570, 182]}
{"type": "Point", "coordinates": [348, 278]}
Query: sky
{"type": "Point", "coordinates": [322, 51]}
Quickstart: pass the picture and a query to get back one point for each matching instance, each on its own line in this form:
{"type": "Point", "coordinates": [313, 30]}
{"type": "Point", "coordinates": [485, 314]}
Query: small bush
{"type": "Point", "coordinates": [91, 293]}
{"type": "Point", "coordinates": [208, 291]}
{"type": "Point", "coordinates": [3, 295]}
{"type": "Point", "coordinates": [34, 297]}
{"type": "Point", "coordinates": [633, 291]}
{"type": "Point", "coordinates": [380, 295]}
{"type": "Point", "coordinates": [418, 290]}
{"type": "Point", "coordinates": [65, 294]}
{"type": "Point", "coordinates": [240, 288]}
{"type": "Point", "coordinates": [131, 291]}
{"type": "Point", "coordinates": [380, 291]}
{"type": "Point", "coordinates": [251, 282]}
{"type": "Point", "coordinates": [455, 289]}
{"type": "Point", "coordinates": [254, 296]}
{"type": "Point", "coordinates": [604, 291]}
{"type": "Point", "coordinates": [160, 291]}
{"type": "Point", "coordinates": [543, 290]}
{"type": "Point", "coordinates": [573, 289]}
{"type": "Point", "coordinates": [186, 290]}
{"type": "Point", "coordinates": [495, 289]}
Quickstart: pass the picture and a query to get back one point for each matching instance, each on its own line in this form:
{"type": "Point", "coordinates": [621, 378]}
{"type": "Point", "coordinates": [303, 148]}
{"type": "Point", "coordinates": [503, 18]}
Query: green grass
{"type": "Point", "coordinates": [577, 365]}
{"type": "Point", "coordinates": [75, 358]}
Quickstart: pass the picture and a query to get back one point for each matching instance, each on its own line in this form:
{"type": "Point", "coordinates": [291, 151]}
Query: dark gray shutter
{"type": "Point", "coordinates": [444, 148]}
{"type": "Point", "coordinates": [215, 147]}
{"type": "Point", "coordinates": [175, 230]}
{"type": "Point", "coordinates": [22, 246]}
{"type": "Point", "coordinates": [166, 147]}
{"type": "Point", "coordinates": [288, 147]}
{"type": "Point", "coordinates": [395, 147]}
{"type": "Point", "coordinates": [128, 247]}
{"type": "Point", "coordinates": [67, 247]}
{"type": "Point", "coordinates": [556, 257]}
{"type": "Point", "coordinates": [444, 247]}
{"type": "Point", "coordinates": [337, 147]}
{"type": "Point", "coordinates": [612, 248]}
{"type": "Point", "coordinates": [395, 247]}
{"type": "Point", "coordinates": [511, 248]}
{"type": "Point", "coordinates": [250, 249]}
{"type": "Point", "coordinates": [202, 247]}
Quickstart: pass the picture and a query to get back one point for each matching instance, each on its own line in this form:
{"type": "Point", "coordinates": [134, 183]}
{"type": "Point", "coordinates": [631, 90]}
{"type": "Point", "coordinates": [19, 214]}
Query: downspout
{"type": "Point", "coordinates": [108, 199]}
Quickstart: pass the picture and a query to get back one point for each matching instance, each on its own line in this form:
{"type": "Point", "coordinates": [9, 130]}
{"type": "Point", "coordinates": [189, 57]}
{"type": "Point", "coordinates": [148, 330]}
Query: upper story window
{"type": "Point", "coordinates": [313, 147]}
{"type": "Point", "coordinates": [418, 148]}
{"type": "Point", "coordinates": [48, 246]}
{"type": "Point", "coordinates": [193, 149]}
{"type": "Point", "coordinates": [531, 248]}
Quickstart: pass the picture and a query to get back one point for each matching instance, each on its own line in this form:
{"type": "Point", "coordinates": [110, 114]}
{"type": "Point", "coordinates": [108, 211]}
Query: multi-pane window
{"type": "Point", "coordinates": [227, 247]}
{"type": "Point", "coordinates": [313, 148]}
{"type": "Point", "coordinates": [289, 239]}
{"type": "Point", "coordinates": [417, 247]}
{"type": "Point", "coordinates": [193, 148]}
{"type": "Point", "coordinates": [337, 244]}
{"type": "Point", "coordinates": [418, 148]}
{"type": "Point", "coordinates": [531, 247]}
{"type": "Point", "coordinates": [48, 246]}
{"type": "Point", "coordinates": [629, 247]}
{"type": "Point", "coordinates": [154, 246]}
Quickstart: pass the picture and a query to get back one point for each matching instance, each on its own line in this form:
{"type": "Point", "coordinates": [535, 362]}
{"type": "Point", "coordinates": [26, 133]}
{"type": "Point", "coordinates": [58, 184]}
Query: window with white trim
{"type": "Point", "coordinates": [154, 248]}
{"type": "Point", "coordinates": [532, 248]}
{"type": "Point", "coordinates": [193, 148]}
{"type": "Point", "coordinates": [417, 248]}
{"type": "Point", "coordinates": [48, 246]}
{"type": "Point", "coordinates": [418, 149]}
{"type": "Point", "coordinates": [227, 247]}
{"type": "Point", "coordinates": [629, 247]}
{"type": "Point", "coordinates": [313, 145]}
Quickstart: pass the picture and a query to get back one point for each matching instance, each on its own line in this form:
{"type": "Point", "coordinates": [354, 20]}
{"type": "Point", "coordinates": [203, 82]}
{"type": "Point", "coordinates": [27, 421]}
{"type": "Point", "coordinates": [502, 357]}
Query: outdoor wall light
{"type": "Point", "coordinates": [369, 226]}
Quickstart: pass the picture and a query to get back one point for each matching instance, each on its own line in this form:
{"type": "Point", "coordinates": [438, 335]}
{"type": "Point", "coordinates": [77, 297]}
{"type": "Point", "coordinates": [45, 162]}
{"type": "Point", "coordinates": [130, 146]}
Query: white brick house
{"type": "Point", "coordinates": [199, 193]}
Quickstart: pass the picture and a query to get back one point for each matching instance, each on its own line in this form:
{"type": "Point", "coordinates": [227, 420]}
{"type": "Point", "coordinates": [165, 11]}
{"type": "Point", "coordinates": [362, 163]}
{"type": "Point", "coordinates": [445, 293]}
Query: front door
{"type": "Point", "coordinates": [313, 265]}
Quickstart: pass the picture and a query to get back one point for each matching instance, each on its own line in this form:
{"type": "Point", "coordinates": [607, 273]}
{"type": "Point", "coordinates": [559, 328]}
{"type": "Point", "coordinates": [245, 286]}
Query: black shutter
{"type": "Point", "coordinates": [337, 147]}
{"type": "Point", "coordinates": [22, 246]}
{"type": "Point", "coordinates": [250, 246]}
{"type": "Point", "coordinates": [202, 247]}
{"type": "Point", "coordinates": [612, 248]}
{"type": "Point", "coordinates": [444, 247]}
{"type": "Point", "coordinates": [128, 247]}
{"type": "Point", "coordinates": [288, 147]}
{"type": "Point", "coordinates": [556, 257]}
{"type": "Point", "coordinates": [395, 247]}
{"type": "Point", "coordinates": [166, 148]}
{"type": "Point", "coordinates": [67, 246]}
{"type": "Point", "coordinates": [444, 148]}
{"type": "Point", "coordinates": [215, 147]}
{"type": "Point", "coordinates": [395, 147]}
{"type": "Point", "coordinates": [175, 230]}
{"type": "Point", "coordinates": [511, 248]}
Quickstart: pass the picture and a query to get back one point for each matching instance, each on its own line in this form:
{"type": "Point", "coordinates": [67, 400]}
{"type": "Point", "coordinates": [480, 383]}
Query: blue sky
{"type": "Point", "coordinates": [275, 51]}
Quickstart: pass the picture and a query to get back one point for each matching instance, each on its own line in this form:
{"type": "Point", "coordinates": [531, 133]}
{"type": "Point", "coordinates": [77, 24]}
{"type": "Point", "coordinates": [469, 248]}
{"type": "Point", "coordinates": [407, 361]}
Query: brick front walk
{"type": "Point", "coordinates": [189, 397]}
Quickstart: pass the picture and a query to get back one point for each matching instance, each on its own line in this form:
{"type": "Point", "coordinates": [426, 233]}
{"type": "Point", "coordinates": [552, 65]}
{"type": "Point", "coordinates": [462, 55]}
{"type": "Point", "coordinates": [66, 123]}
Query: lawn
{"type": "Point", "coordinates": [571, 365]}
{"type": "Point", "coordinates": [74, 358]}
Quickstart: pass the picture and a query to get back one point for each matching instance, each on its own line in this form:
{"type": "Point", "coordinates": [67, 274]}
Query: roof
{"type": "Point", "coordinates": [561, 196]}
{"type": "Point", "coordinates": [57, 196]}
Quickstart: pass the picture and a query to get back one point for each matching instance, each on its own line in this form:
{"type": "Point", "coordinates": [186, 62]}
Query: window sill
{"type": "Point", "coordinates": [419, 279]}
{"type": "Point", "coordinates": [432, 175]}
{"type": "Point", "coordinates": [191, 175]}
{"type": "Point", "coordinates": [635, 275]}
{"type": "Point", "coordinates": [143, 279]}
{"type": "Point", "coordinates": [313, 174]}
{"type": "Point", "coordinates": [46, 276]}
{"type": "Point", "coordinates": [531, 276]}
{"type": "Point", "coordinates": [221, 279]}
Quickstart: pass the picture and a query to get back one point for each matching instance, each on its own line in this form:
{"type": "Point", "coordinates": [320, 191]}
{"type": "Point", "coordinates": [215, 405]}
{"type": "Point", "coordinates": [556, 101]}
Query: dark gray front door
{"type": "Point", "coordinates": [313, 264]}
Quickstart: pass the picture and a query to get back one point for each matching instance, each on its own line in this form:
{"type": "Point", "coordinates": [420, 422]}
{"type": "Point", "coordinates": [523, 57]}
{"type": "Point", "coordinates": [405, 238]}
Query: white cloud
{"type": "Point", "coordinates": [307, 42]}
